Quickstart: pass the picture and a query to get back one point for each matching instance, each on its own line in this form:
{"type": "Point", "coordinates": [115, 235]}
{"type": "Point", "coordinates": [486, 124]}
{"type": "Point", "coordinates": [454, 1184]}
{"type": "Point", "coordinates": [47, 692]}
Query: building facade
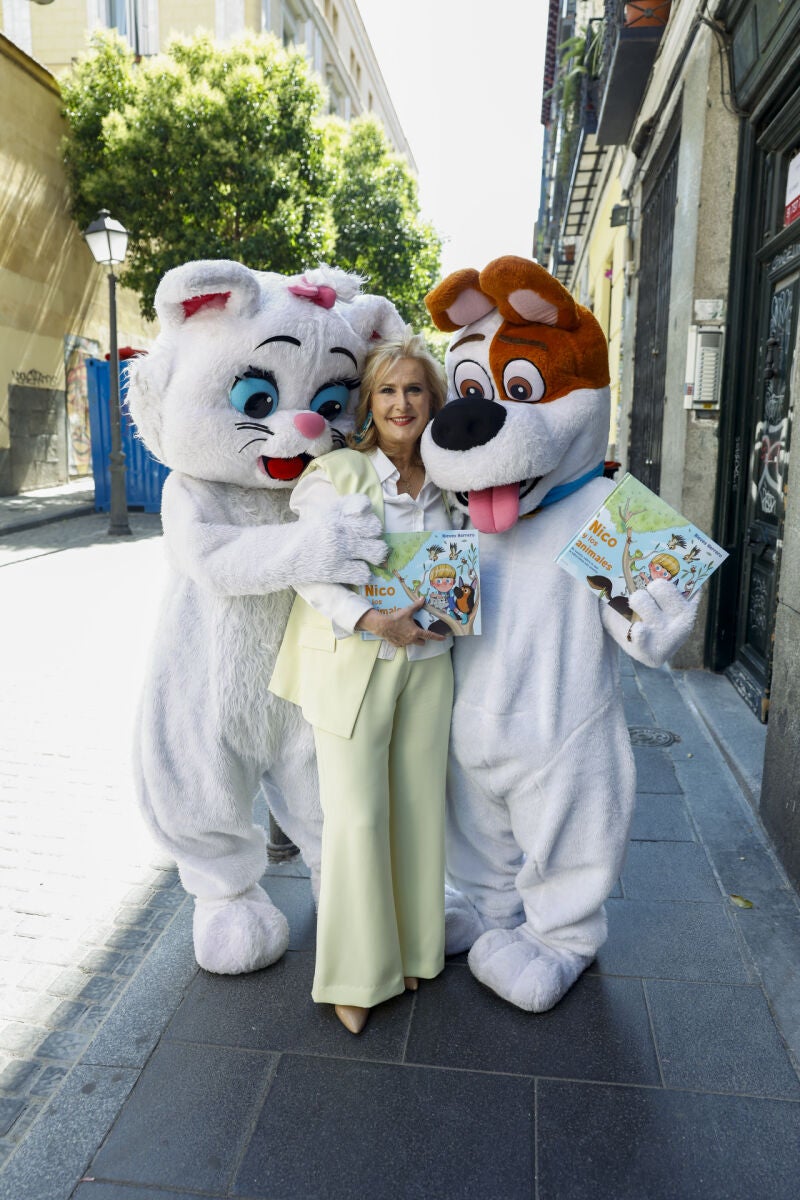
{"type": "Point", "coordinates": [336, 44]}
{"type": "Point", "coordinates": [53, 298]}
{"type": "Point", "coordinates": [683, 173]}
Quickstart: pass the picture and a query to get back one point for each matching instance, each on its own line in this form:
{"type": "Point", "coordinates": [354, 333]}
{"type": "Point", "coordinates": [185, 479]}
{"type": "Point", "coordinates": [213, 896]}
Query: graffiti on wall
{"type": "Point", "coordinates": [772, 432]}
{"type": "Point", "coordinates": [34, 378]}
{"type": "Point", "coordinates": [76, 351]}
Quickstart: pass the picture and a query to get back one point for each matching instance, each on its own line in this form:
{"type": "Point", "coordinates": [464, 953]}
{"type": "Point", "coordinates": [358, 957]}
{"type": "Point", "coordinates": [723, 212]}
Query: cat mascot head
{"type": "Point", "coordinates": [253, 374]}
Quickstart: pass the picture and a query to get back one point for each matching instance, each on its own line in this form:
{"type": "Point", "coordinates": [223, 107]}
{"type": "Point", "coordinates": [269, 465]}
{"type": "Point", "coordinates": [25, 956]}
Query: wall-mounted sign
{"type": "Point", "coordinates": [792, 210]}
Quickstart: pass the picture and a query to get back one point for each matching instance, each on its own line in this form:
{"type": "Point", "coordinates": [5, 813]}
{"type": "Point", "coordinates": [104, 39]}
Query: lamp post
{"type": "Point", "coordinates": [108, 241]}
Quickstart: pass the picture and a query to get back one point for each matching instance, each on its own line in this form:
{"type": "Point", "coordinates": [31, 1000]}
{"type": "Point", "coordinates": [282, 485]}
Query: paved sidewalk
{"type": "Point", "coordinates": [29, 510]}
{"type": "Point", "coordinates": [669, 1071]}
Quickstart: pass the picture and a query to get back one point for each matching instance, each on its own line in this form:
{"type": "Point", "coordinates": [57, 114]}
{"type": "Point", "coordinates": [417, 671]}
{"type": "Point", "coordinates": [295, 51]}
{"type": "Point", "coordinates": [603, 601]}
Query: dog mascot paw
{"type": "Point", "coordinates": [541, 785]}
{"type": "Point", "coordinates": [252, 376]}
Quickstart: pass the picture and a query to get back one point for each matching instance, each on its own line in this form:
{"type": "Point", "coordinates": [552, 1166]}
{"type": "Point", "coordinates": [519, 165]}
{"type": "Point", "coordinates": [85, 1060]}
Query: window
{"type": "Point", "coordinates": [117, 16]}
{"type": "Point", "coordinates": [137, 22]}
{"type": "Point", "coordinates": [334, 101]}
{"type": "Point", "coordinates": [289, 29]}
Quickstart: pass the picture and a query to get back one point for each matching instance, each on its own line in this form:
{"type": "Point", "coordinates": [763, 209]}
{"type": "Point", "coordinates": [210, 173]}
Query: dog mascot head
{"type": "Point", "coordinates": [253, 374]}
{"type": "Point", "coordinates": [528, 410]}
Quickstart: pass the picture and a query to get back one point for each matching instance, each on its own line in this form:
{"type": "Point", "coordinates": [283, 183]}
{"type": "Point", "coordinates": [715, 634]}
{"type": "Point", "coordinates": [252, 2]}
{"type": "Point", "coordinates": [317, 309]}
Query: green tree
{"type": "Point", "coordinates": [202, 152]}
{"type": "Point", "coordinates": [379, 230]}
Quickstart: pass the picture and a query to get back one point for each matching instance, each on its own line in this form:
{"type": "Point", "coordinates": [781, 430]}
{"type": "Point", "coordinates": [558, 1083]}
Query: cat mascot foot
{"type": "Point", "coordinates": [516, 965]}
{"type": "Point", "coordinates": [240, 933]}
{"type": "Point", "coordinates": [462, 922]}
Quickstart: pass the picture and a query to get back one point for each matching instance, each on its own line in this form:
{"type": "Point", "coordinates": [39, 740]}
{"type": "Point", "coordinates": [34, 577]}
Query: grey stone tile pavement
{"type": "Point", "coordinates": [669, 1071]}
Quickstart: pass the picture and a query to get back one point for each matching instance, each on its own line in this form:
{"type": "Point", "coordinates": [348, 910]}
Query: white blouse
{"type": "Point", "coordinates": [401, 514]}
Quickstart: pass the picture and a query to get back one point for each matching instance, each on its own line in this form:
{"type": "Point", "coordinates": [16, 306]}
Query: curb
{"type": "Point", "coordinates": [25, 523]}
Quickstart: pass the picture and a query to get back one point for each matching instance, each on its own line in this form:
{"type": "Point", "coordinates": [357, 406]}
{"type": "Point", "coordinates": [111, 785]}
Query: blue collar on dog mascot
{"type": "Point", "coordinates": [566, 489]}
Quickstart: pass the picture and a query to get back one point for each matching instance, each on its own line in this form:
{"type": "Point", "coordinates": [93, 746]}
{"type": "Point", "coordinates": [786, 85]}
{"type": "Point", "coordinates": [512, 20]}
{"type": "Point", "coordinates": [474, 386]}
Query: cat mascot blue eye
{"type": "Point", "coordinates": [331, 400]}
{"type": "Point", "coordinates": [254, 396]}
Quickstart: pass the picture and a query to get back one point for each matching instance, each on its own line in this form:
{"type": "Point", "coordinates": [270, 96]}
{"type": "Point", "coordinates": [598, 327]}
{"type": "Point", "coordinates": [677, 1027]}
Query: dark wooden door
{"type": "Point", "coordinates": [779, 288]}
{"type": "Point", "coordinates": [652, 317]}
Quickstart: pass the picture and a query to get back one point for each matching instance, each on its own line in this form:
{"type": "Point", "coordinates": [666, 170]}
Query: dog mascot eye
{"type": "Point", "coordinates": [330, 400]}
{"type": "Point", "coordinates": [255, 395]}
{"type": "Point", "coordinates": [522, 381]}
{"type": "Point", "coordinates": [472, 382]}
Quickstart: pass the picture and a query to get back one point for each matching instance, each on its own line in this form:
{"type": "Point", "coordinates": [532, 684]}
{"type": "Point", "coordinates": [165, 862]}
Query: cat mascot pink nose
{"type": "Point", "coordinates": [310, 424]}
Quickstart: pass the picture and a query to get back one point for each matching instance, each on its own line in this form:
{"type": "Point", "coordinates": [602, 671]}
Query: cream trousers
{"type": "Point", "coordinates": [381, 905]}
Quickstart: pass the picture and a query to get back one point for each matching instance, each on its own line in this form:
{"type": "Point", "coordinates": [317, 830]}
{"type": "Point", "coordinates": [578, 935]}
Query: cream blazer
{"type": "Point", "coordinates": [328, 676]}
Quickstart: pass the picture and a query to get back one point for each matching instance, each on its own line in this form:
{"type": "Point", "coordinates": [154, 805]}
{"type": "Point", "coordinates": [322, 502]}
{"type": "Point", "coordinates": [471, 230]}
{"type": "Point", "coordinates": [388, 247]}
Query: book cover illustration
{"type": "Point", "coordinates": [441, 567]}
{"type": "Point", "coordinates": [633, 538]}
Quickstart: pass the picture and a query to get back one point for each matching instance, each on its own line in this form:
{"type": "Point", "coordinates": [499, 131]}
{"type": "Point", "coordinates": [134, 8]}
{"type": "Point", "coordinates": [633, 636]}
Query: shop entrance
{"type": "Point", "coordinates": [766, 308]}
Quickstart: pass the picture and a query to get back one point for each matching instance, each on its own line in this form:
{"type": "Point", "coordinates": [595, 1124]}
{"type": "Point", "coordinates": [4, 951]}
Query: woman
{"type": "Point", "coordinates": [380, 709]}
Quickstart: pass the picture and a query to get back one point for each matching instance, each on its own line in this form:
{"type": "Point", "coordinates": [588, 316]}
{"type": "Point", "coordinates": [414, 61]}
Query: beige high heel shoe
{"type": "Point", "coordinates": [351, 1016]}
{"type": "Point", "coordinates": [411, 982]}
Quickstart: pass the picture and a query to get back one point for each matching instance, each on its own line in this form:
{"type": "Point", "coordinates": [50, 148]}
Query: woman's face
{"type": "Point", "coordinates": [401, 406]}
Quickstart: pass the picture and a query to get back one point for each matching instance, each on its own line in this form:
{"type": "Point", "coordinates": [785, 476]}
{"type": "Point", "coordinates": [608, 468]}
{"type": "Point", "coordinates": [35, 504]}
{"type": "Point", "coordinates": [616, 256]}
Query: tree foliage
{"type": "Point", "coordinates": [211, 151]}
{"type": "Point", "coordinates": [202, 152]}
{"type": "Point", "coordinates": [379, 231]}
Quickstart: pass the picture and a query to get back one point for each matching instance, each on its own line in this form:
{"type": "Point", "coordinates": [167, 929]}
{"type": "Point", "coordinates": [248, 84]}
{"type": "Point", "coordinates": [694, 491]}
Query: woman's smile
{"type": "Point", "coordinates": [401, 406]}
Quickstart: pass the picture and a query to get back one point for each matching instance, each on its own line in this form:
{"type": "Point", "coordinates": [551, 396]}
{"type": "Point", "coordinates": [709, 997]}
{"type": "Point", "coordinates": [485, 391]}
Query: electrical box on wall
{"type": "Point", "coordinates": [703, 387]}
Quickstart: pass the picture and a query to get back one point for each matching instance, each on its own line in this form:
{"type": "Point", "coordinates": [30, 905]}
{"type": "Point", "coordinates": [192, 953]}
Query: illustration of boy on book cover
{"type": "Point", "coordinates": [440, 567]}
{"type": "Point", "coordinates": [634, 538]}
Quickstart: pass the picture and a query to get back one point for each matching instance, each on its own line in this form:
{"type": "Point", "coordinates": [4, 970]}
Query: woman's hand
{"type": "Point", "coordinates": [399, 627]}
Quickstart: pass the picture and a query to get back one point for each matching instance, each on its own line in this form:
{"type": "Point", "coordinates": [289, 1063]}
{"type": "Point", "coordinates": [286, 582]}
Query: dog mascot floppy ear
{"type": "Point", "coordinates": [251, 377]}
{"type": "Point", "coordinates": [542, 781]}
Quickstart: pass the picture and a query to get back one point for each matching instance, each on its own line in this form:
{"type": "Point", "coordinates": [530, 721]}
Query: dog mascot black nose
{"type": "Point", "coordinates": [464, 424]}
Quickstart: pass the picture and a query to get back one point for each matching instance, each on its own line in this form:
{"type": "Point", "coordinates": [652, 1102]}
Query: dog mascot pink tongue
{"type": "Point", "coordinates": [494, 510]}
{"type": "Point", "coordinates": [542, 782]}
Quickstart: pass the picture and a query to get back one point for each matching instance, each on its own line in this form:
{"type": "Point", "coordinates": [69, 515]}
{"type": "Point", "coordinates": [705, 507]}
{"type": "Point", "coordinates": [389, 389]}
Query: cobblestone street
{"type": "Point", "coordinates": [83, 895]}
{"type": "Point", "coordinates": [669, 1071]}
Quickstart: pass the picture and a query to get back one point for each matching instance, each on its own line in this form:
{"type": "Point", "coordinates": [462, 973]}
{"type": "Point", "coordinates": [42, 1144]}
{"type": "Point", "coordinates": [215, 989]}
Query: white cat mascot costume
{"type": "Point", "coordinates": [541, 785]}
{"type": "Point", "coordinates": [251, 376]}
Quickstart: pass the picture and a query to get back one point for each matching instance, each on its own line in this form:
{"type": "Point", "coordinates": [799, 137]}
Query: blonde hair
{"type": "Point", "coordinates": [667, 561]}
{"type": "Point", "coordinates": [442, 571]}
{"type": "Point", "coordinates": [378, 361]}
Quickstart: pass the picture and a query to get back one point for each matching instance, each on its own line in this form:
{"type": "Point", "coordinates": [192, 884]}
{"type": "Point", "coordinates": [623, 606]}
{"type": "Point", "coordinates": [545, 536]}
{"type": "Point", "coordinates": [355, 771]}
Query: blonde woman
{"type": "Point", "coordinates": [380, 709]}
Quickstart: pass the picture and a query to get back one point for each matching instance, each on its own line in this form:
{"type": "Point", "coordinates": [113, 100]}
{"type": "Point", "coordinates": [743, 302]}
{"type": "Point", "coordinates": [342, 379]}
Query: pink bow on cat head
{"type": "Point", "coordinates": [321, 294]}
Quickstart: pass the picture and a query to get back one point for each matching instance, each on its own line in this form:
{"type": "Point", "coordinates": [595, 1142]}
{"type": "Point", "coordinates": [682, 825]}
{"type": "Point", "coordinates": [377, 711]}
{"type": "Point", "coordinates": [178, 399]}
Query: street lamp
{"type": "Point", "coordinates": [108, 241]}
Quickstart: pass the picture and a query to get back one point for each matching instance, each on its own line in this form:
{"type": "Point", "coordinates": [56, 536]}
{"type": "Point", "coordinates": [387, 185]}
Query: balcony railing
{"type": "Point", "coordinates": [632, 32]}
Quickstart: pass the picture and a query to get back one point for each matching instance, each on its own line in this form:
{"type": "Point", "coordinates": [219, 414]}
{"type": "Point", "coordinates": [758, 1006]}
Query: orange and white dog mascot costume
{"type": "Point", "coordinates": [542, 780]}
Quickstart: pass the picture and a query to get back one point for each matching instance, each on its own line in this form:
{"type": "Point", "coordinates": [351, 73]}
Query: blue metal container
{"type": "Point", "coordinates": [144, 475]}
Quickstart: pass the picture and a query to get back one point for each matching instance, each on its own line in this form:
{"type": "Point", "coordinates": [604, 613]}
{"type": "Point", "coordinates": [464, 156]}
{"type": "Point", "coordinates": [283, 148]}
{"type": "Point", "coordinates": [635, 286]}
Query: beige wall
{"type": "Point", "coordinates": [606, 253]}
{"type": "Point", "coordinates": [343, 55]}
{"type": "Point", "coordinates": [58, 33]}
{"type": "Point", "coordinates": [185, 16]}
{"type": "Point", "coordinates": [50, 288]}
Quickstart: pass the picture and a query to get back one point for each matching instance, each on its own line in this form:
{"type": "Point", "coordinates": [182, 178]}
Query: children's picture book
{"type": "Point", "coordinates": [440, 567]}
{"type": "Point", "coordinates": [633, 538]}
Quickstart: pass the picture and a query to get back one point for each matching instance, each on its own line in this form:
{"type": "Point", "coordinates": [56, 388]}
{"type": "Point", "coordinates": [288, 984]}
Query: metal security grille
{"type": "Point", "coordinates": [652, 319]}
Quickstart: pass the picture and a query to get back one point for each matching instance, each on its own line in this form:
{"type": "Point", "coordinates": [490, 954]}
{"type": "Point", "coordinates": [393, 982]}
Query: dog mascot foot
{"type": "Point", "coordinates": [462, 922]}
{"type": "Point", "coordinates": [239, 934]}
{"type": "Point", "coordinates": [523, 970]}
